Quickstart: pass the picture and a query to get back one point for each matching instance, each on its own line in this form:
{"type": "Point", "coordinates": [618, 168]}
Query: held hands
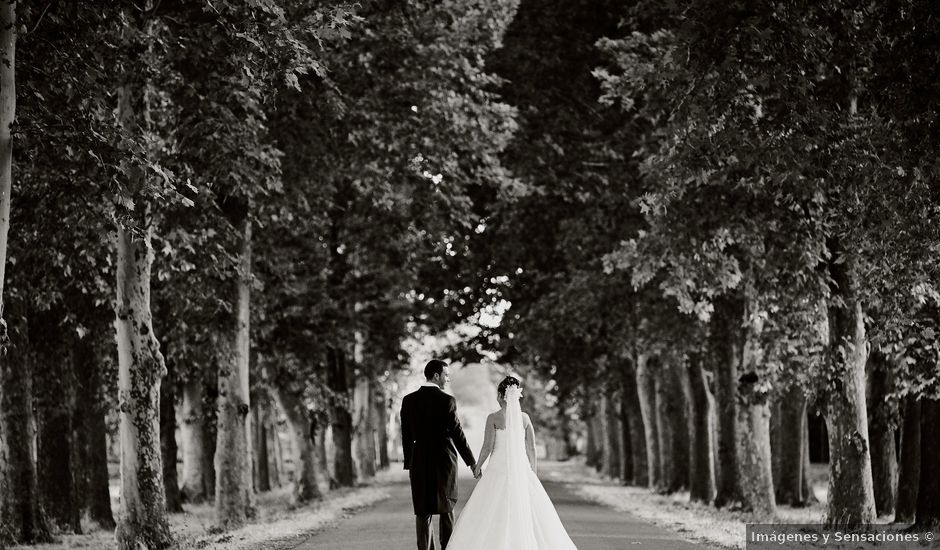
{"type": "Point", "coordinates": [477, 470]}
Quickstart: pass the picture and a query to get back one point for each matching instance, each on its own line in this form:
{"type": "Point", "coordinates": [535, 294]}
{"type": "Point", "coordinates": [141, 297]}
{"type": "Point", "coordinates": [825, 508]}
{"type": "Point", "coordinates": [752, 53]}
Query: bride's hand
{"type": "Point", "coordinates": [477, 471]}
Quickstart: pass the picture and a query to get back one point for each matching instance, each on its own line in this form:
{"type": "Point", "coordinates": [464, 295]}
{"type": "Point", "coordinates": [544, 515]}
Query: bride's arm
{"type": "Point", "coordinates": [487, 448]}
{"type": "Point", "coordinates": [530, 445]}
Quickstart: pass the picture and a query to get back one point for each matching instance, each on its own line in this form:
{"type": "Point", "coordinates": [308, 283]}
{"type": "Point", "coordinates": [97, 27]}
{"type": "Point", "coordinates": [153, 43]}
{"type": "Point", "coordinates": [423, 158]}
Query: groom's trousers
{"type": "Point", "coordinates": [423, 525]}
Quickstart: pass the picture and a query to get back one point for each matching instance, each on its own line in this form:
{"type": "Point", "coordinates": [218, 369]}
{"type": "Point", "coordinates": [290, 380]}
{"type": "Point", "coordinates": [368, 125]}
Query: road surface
{"type": "Point", "coordinates": [389, 525]}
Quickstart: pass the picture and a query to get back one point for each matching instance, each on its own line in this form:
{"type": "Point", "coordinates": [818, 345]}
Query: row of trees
{"type": "Point", "coordinates": [731, 204]}
{"type": "Point", "coordinates": [732, 220]}
{"type": "Point", "coordinates": [243, 197]}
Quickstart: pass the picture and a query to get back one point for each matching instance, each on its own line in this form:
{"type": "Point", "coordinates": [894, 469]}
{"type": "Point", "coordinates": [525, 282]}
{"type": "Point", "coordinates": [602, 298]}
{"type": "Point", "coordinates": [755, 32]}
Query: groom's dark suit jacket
{"type": "Point", "coordinates": [431, 438]}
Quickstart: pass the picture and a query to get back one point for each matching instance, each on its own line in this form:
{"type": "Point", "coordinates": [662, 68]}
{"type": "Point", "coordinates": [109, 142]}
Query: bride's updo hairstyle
{"type": "Point", "coordinates": [508, 381]}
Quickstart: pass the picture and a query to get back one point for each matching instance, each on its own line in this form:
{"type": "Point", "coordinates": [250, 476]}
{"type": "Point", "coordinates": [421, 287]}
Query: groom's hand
{"type": "Point", "coordinates": [477, 471]}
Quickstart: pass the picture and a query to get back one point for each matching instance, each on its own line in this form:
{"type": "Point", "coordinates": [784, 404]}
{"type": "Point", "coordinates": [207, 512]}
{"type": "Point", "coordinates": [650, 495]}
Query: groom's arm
{"type": "Point", "coordinates": [455, 431]}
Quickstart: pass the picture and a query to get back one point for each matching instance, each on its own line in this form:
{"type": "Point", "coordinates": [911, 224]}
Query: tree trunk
{"type": "Point", "coordinates": [364, 420]}
{"type": "Point", "coordinates": [678, 418]}
{"type": "Point", "coordinates": [194, 446]}
{"type": "Point", "coordinates": [56, 435]}
{"type": "Point", "coordinates": [701, 444]}
{"type": "Point", "coordinates": [757, 490]}
{"type": "Point", "coordinates": [174, 499]}
{"type": "Point", "coordinates": [808, 493]}
{"type": "Point", "coordinates": [664, 427]}
{"type": "Point", "coordinates": [788, 448]}
{"type": "Point", "coordinates": [7, 118]}
{"type": "Point", "coordinates": [646, 394]}
{"type": "Point", "coordinates": [909, 466]}
{"type": "Point", "coordinates": [613, 433]}
{"type": "Point", "coordinates": [564, 423]}
{"type": "Point", "coordinates": [590, 442]}
{"type": "Point", "coordinates": [626, 441]}
{"type": "Point", "coordinates": [234, 494]}
{"type": "Point", "coordinates": [304, 459]}
{"type": "Point", "coordinates": [20, 516]}
{"type": "Point", "coordinates": [882, 419]}
{"type": "Point", "coordinates": [632, 422]}
{"type": "Point", "coordinates": [276, 454]}
{"type": "Point", "coordinates": [851, 492]}
{"type": "Point", "coordinates": [603, 443]}
{"type": "Point", "coordinates": [344, 474]}
{"type": "Point", "coordinates": [743, 414]}
{"type": "Point", "coordinates": [210, 425]}
{"type": "Point", "coordinates": [92, 435]}
{"type": "Point", "coordinates": [726, 347]}
{"type": "Point", "coordinates": [19, 496]}
{"type": "Point", "coordinates": [381, 425]}
{"type": "Point", "coordinates": [263, 472]}
{"type": "Point", "coordinates": [928, 492]}
{"type": "Point", "coordinates": [143, 521]}
{"type": "Point", "coordinates": [754, 469]}
{"type": "Point", "coordinates": [319, 449]}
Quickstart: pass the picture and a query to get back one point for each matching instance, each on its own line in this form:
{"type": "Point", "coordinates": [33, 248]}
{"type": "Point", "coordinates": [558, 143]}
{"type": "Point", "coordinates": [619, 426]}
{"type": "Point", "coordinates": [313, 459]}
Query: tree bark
{"type": "Point", "coordinates": [381, 425]}
{"type": "Point", "coordinates": [613, 433]}
{"type": "Point", "coordinates": [319, 448]}
{"type": "Point", "coordinates": [632, 421]}
{"type": "Point", "coordinates": [646, 394]}
{"type": "Point", "coordinates": [742, 409]}
{"type": "Point", "coordinates": [757, 490]}
{"type": "Point", "coordinates": [594, 453]}
{"type": "Point", "coordinates": [194, 488]}
{"type": "Point", "coordinates": [21, 519]}
{"type": "Point", "coordinates": [909, 464]}
{"type": "Point", "coordinates": [851, 492]}
{"type": "Point", "coordinates": [754, 468]}
{"type": "Point", "coordinates": [56, 445]}
{"type": "Point", "coordinates": [7, 118]}
{"type": "Point", "coordinates": [168, 447]}
{"type": "Point", "coordinates": [808, 493]}
{"type": "Point", "coordinates": [590, 443]}
{"type": "Point", "coordinates": [210, 425]}
{"type": "Point", "coordinates": [304, 459]}
{"type": "Point", "coordinates": [364, 422]}
{"type": "Point", "coordinates": [344, 474]}
{"type": "Point", "coordinates": [882, 419]}
{"type": "Point", "coordinates": [626, 441]}
{"type": "Point", "coordinates": [277, 452]}
{"type": "Point", "coordinates": [19, 496]}
{"type": "Point", "coordinates": [92, 435]}
{"type": "Point", "coordinates": [700, 412]}
{"type": "Point", "coordinates": [788, 448]}
{"type": "Point", "coordinates": [676, 410]}
{"type": "Point", "coordinates": [726, 347]}
{"type": "Point", "coordinates": [143, 522]}
{"type": "Point", "coordinates": [234, 494]}
{"type": "Point", "coordinates": [263, 472]}
{"type": "Point", "coordinates": [564, 423]}
{"type": "Point", "coordinates": [664, 428]}
{"type": "Point", "coordinates": [928, 492]}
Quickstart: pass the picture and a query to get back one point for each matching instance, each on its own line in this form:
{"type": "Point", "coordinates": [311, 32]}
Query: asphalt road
{"type": "Point", "coordinates": [389, 525]}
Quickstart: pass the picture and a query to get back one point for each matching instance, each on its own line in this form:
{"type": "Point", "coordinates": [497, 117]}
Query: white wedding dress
{"type": "Point", "coordinates": [509, 509]}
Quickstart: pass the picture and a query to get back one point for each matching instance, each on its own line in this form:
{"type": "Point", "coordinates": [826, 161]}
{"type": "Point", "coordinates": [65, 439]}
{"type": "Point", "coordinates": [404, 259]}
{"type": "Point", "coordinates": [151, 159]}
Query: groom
{"type": "Point", "coordinates": [430, 432]}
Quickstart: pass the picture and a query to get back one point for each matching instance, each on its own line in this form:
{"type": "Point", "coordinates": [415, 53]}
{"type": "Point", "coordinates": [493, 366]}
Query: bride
{"type": "Point", "coordinates": [509, 509]}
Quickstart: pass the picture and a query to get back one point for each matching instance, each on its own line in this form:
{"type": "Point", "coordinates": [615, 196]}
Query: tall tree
{"type": "Point", "coordinates": [19, 505]}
